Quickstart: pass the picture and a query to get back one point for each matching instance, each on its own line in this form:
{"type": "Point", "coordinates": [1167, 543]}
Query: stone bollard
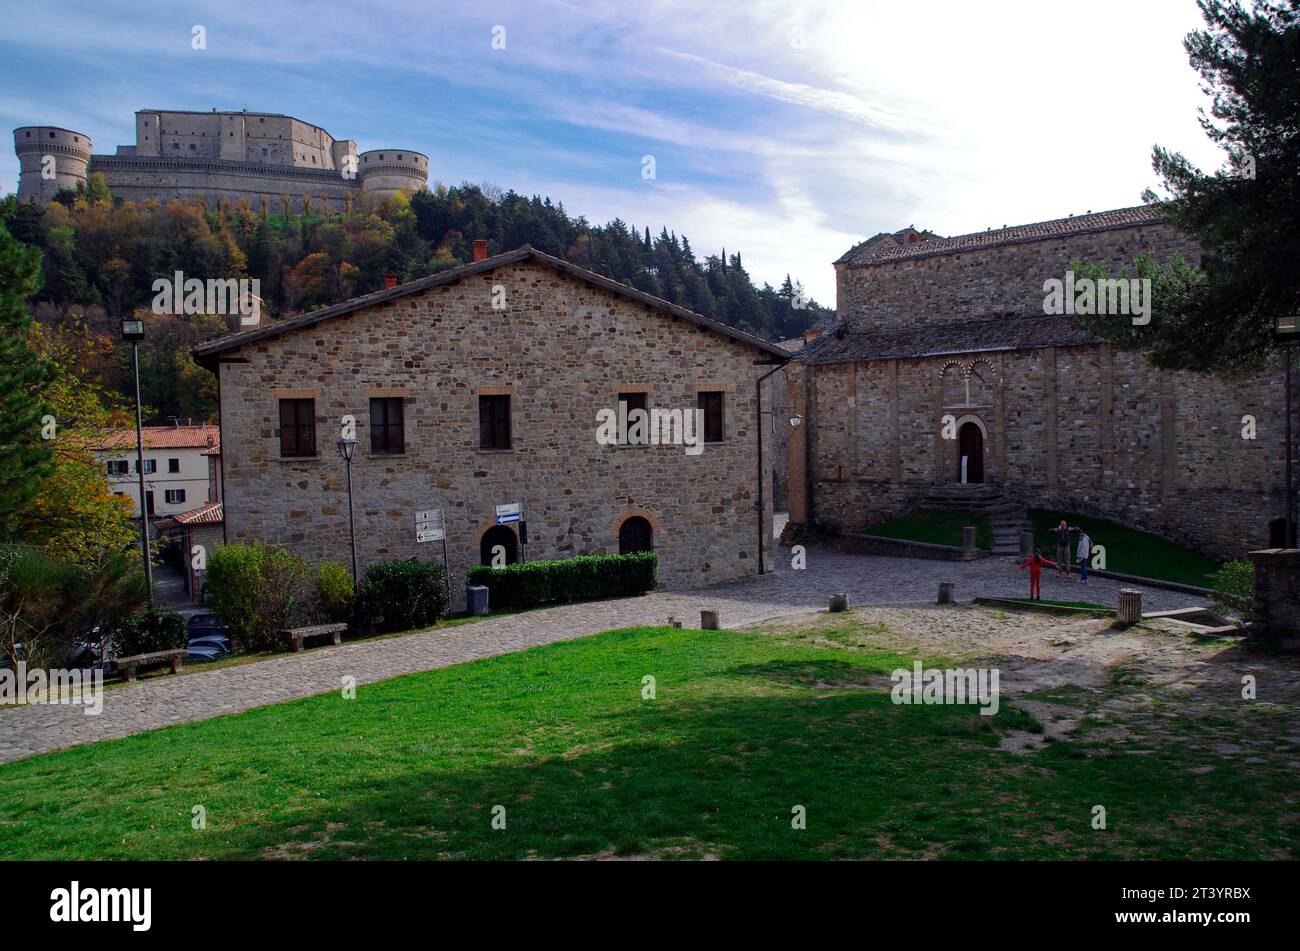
{"type": "Point", "coordinates": [839, 602]}
{"type": "Point", "coordinates": [968, 543]}
{"type": "Point", "coordinates": [673, 622]}
{"type": "Point", "coordinates": [709, 620]}
{"type": "Point", "coordinates": [1026, 543]}
{"type": "Point", "coordinates": [1129, 607]}
{"type": "Point", "coordinates": [945, 591]}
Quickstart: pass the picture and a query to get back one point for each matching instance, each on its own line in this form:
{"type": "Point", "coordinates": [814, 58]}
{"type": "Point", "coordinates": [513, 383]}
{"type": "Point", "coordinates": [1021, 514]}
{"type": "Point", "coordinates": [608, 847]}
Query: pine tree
{"type": "Point", "coordinates": [25, 456]}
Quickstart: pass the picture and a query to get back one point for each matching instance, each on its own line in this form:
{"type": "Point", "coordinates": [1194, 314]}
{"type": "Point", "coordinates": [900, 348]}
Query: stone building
{"type": "Point", "coordinates": [261, 156]}
{"type": "Point", "coordinates": [954, 329]}
{"type": "Point", "coordinates": [479, 387]}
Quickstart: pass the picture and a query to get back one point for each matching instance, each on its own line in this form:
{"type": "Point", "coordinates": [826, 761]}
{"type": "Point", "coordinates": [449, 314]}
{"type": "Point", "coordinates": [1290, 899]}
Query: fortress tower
{"type": "Point", "coordinates": [266, 158]}
{"type": "Point", "coordinates": [384, 171]}
{"type": "Point", "coordinates": [50, 159]}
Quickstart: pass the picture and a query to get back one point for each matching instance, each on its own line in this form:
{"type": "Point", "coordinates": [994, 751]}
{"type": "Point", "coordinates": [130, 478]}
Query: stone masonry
{"type": "Point", "coordinates": [955, 328]}
{"type": "Point", "coordinates": [566, 344]}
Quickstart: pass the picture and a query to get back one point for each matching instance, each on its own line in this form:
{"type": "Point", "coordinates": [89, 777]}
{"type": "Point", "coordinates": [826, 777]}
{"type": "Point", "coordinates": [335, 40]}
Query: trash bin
{"type": "Point", "coordinates": [476, 599]}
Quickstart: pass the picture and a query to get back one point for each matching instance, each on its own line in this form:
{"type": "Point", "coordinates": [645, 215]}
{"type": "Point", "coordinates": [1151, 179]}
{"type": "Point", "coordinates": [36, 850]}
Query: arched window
{"type": "Point", "coordinates": [635, 534]}
{"type": "Point", "coordinates": [504, 537]}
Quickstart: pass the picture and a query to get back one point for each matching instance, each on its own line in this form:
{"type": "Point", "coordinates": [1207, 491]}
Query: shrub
{"type": "Point", "coordinates": [259, 591]}
{"type": "Point", "coordinates": [403, 594]}
{"type": "Point", "coordinates": [1234, 587]}
{"type": "Point", "coordinates": [570, 579]}
{"type": "Point", "coordinates": [149, 631]}
{"type": "Point", "coordinates": [335, 592]}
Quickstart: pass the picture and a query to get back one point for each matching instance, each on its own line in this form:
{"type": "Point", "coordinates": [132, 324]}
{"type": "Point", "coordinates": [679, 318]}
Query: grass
{"type": "Point", "coordinates": [935, 527]}
{"type": "Point", "coordinates": [1128, 550]}
{"type": "Point", "coordinates": [1062, 604]}
{"type": "Point", "coordinates": [743, 728]}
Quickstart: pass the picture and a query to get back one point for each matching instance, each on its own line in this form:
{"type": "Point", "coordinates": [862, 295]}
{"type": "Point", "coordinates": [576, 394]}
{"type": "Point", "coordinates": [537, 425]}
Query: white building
{"type": "Point", "coordinates": [182, 467]}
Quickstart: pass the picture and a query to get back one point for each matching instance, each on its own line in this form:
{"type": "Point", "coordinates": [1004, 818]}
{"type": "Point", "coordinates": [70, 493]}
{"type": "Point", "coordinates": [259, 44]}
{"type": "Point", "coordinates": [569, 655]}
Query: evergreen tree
{"type": "Point", "coordinates": [25, 456]}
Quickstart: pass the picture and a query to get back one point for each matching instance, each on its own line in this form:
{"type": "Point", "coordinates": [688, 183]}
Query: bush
{"type": "Point", "coordinates": [570, 579]}
{"type": "Point", "coordinates": [335, 592]}
{"type": "Point", "coordinates": [1234, 587]}
{"type": "Point", "coordinates": [403, 594]}
{"type": "Point", "coordinates": [260, 591]}
{"type": "Point", "coordinates": [149, 631]}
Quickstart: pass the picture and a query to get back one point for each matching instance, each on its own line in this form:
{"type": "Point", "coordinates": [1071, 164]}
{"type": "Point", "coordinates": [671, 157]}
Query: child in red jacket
{"type": "Point", "coordinates": [1035, 563]}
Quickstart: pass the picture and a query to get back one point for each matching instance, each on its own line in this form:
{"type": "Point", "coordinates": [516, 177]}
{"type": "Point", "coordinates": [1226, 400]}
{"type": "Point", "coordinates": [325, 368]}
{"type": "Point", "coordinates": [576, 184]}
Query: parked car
{"type": "Point", "coordinates": [208, 639]}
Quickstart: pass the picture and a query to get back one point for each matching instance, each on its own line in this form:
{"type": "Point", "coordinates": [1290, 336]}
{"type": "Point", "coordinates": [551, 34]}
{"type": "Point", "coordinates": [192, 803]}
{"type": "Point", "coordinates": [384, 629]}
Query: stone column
{"type": "Point", "coordinates": [946, 592]}
{"type": "Point", "coordinates": [1129, 606]}
{"type": "Point", "coordinates": [968, 543]}
{"type": "Point", "coordinates": [709, 620]}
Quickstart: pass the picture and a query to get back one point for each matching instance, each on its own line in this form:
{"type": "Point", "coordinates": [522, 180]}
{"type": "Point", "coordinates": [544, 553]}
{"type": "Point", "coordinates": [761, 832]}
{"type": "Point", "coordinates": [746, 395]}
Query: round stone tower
{"type": "Point", "coordinates": [50, 159]}
{"type": "Point", "coordinates": [384, 171]}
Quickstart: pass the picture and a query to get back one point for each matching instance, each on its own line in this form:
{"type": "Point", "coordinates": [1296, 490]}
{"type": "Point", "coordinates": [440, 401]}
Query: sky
{"type": "Point", "coordinates": [788, 131]}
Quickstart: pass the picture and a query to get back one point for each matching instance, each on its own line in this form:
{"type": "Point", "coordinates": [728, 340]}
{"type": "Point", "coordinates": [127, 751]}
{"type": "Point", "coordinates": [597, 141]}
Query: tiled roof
{"type": "Point", "coordinates": [165, 437]}
{"type": "Point", "coordinates": [823, 326]}
{"type": "Point", "coordinates": [877, 251]}
{"type": "Point", "coordinates": [936, 340]}
{"type": "Point", "coordinates": [210, 514]}
{"type": "Point", "coordinates": [207, 354]}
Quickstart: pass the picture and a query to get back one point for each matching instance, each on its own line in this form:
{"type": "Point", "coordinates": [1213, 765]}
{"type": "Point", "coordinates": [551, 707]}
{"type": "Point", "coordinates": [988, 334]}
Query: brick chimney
{"type": "Point", "coordinates": [480, 249]}
{"type": "Point", "coordinates": [390, 280]}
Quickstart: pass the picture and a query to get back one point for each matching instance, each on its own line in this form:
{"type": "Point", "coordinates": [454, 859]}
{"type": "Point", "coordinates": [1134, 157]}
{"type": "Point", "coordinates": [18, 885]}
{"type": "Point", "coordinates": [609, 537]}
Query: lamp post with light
{"type": "Point", "coordinates": [1286, 331]}
{"type": "Point", "coordinates": [133, 333]}
{"type": "Point", "coordinates": [347, 449]}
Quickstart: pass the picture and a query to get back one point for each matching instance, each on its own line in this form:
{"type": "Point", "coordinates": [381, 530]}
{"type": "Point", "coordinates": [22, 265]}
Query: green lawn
{"type": "Point", "coordinates": [1090, 605]}
{"type": "Point", "coordinates": [1127, 550]}
{"type": "Point", "coordinates": [745, 726]}
{"type": "Point", "coordinates": [935, 527]}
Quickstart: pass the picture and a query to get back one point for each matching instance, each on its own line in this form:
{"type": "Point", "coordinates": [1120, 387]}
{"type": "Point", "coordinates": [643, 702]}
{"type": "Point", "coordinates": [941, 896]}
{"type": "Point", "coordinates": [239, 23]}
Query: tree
{"type": "Point", "coordinates": [25, 456]}
{"type": "Point", "coordinates": [1246, 216]}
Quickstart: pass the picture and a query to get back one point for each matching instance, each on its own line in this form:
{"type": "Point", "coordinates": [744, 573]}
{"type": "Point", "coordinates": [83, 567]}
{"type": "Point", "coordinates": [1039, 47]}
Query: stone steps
{"type": "Point", "coordinates": [1006, 518]}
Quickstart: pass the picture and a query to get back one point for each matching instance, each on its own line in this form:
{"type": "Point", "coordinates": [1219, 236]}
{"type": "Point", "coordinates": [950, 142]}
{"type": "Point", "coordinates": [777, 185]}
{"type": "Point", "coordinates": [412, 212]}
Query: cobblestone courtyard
{"type": "Point", "coordinates": [786, 594]}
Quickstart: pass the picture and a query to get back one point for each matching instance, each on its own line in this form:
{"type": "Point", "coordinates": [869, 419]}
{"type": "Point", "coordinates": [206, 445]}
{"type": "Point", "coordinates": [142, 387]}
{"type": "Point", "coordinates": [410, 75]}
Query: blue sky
{"type": "Point", "coordinates": [788, 131]}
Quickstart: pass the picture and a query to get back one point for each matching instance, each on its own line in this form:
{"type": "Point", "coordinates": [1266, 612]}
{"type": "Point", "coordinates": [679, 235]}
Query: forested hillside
{"type": "Point", "coordinates": [101, 257]}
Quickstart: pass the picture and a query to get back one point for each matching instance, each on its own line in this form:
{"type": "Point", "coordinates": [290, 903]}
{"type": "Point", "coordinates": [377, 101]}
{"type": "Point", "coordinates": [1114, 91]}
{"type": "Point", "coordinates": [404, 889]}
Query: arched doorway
{"type": "Point", "coordinates": [970, 447]}
{"type": "Point", "coordinates": [635, 534]}
{"type": "Point", "coordinates": [498, 535]}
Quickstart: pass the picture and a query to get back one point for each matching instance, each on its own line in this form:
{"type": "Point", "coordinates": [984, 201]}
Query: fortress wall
{"type": "Point", "coordinates": [142, 180]}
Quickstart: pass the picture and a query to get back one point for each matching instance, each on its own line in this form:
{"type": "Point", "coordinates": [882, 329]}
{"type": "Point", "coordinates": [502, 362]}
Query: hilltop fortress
{"type": "Point", "coordinates": [261, 156]}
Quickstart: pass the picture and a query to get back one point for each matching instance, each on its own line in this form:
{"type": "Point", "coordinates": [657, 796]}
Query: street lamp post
{"type": "Point", "coordinates": [133, 331]}
{"type": "Point", "coordinates": [347, 449]}
{"type": "Point", "coordinates": [1286, 331]}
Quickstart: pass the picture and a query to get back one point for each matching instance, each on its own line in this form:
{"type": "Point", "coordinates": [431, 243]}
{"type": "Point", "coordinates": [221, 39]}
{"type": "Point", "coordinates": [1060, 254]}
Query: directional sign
{"type": "Point", "coordinates": [509, 513]}
{"type": "Point", "coordinates": [429, 526]}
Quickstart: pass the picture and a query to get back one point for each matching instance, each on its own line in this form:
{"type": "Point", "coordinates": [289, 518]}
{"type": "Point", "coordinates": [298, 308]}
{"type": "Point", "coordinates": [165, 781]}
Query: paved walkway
{"type": "Point", "coordinates": [867, 580]}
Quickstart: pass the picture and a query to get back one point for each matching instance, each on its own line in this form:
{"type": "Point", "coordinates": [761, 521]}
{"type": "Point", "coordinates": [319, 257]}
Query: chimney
{"type": "Point", "coordinates": [390, 280]}
{"type": "Point", "coordinates": [810, 335]}
{"type": "Point", "coordinates": [480, 249]}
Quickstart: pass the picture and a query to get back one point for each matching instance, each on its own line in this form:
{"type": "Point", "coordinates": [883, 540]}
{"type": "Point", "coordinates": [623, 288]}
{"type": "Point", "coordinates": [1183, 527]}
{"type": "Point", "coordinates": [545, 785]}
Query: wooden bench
{"type": "Point", "coordinates": [129, 665]}
{"type": "Point", "coordinates": [298, 634]}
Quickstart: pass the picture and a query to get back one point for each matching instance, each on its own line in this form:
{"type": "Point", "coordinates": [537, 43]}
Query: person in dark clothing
{"type": "Point", "coordinates": [1062, 533]}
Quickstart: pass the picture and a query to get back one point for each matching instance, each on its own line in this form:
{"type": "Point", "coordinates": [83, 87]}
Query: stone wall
{"type": "Point", "coordinates": [1277, 592]}
{"type": "Point", "coordinates": [562, 349]}
{"type": "Point", "coordinates": [1088, 429]}
{"type": "Point", "coordinates": [989, 282]}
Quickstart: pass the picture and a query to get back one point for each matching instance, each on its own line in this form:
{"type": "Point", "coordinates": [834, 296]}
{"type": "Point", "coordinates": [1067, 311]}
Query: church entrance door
{"type": "Point", "coordinates": [970, 453]}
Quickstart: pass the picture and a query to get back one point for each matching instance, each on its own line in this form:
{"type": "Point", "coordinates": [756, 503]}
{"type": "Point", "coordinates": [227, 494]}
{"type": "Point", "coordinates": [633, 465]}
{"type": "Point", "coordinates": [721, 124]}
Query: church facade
{"type": "Point", "coordinates": [945, 369]}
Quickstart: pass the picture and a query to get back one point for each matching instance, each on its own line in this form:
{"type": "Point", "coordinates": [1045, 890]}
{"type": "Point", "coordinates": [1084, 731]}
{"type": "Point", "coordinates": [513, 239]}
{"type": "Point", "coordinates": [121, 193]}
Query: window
{"type": "Point", "coordinates": [150, 466]}
{"type": "Point", "coordinates": [638, 427]}
{"type": "Point", "coordinates": [494, 422]}
{"type": "Point", "coordinates": [173, 465]}
{"type": "Point", "coordinates": [297, 428]}
{"type": "Point", "coordinates": [117, 467]}
{"type": "Point", "coordinates": [711, 404]}
{"type": "Point", "coordinates": [386, 432]}
{"type": "Point", "coordinates": [175, 496]}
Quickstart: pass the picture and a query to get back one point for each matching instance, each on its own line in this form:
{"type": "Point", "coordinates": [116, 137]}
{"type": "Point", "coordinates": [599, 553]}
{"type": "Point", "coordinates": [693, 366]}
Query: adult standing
{"type": "Point", "coordinates": [1085, 553]}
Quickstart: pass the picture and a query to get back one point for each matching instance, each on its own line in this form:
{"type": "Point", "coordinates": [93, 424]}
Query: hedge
{"type": "Point", "coordinates": [149, 631]}
{"type": "Point", "coordinates": [403, 594]}
{"type": "Point", "coordinates": [581, 578]}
